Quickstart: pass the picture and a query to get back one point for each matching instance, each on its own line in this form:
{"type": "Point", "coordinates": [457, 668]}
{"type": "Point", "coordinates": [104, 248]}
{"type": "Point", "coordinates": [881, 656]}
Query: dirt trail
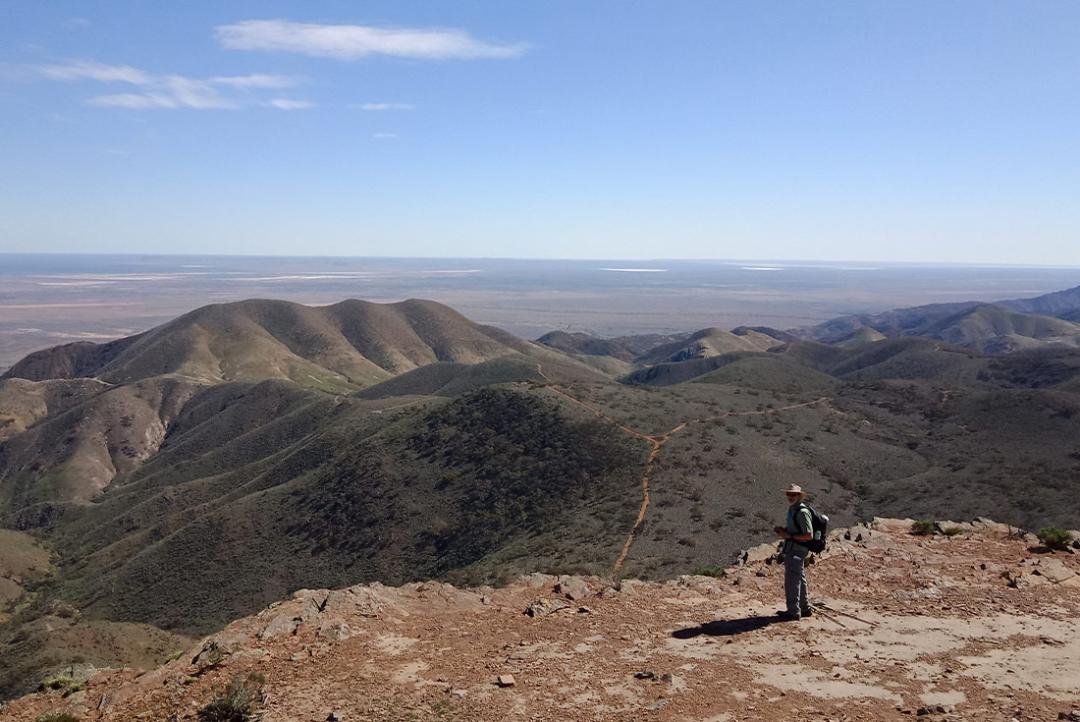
{"type": "Point", "coordinates": [656, 443]}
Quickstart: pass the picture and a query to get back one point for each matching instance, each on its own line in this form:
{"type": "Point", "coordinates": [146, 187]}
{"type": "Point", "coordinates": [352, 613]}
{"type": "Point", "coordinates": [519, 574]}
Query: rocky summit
{"type": "Point", "coordinates": [967, 621]}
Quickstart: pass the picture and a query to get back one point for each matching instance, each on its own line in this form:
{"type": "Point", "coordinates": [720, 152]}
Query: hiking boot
{"type": "Point", "coordinates": [786, 616]}
{"type": "Point", "coordinates": [807, 611]}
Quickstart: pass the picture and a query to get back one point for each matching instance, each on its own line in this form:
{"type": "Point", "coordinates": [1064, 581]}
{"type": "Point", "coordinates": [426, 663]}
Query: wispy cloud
{"type": "Point", "coordinates": [349, 42]}
{"type": "Point", "coordinates": [383, 106]}
{"type": "Point", "coordinates": [256, 80]}
{"type": "Point", "coordinates": [289, 104]}
{"type": "Point", "coordinates": [384, 136]}
{"type": "Point", "coordinates": [138, 101]}
{"type": "Point", "coordinates": [166, 91]}
{"type": "Point", "coordinates": [90, 70]}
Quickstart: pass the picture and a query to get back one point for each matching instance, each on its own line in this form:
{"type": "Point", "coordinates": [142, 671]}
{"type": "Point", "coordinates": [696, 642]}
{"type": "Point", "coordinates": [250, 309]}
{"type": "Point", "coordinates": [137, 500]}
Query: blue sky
{"type": "Point", "coordinates": [907, 131]}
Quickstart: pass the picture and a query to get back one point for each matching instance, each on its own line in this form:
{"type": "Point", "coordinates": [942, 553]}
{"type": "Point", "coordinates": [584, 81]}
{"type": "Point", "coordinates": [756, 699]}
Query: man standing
{"type": "Point", "coordinates": [796, 533]}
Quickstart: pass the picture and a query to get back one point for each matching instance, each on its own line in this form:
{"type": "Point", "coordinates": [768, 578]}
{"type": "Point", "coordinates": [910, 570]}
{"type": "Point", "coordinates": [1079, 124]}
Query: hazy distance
{"type": "Point", "coordinates": [50, 299]}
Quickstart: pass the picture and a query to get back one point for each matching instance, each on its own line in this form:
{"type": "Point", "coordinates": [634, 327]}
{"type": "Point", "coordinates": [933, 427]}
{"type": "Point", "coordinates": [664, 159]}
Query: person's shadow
{"type": "Point", "coordinates": [725, 627]}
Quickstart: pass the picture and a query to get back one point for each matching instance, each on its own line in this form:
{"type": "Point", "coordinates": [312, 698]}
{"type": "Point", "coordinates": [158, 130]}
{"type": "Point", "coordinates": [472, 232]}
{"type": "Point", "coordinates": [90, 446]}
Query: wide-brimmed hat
{"type": "Point", "coordinates": [795, 489]}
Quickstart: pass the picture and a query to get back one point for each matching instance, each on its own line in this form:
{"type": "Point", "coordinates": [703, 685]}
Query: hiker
{"type": "Point", "coordinates": [798, 532]}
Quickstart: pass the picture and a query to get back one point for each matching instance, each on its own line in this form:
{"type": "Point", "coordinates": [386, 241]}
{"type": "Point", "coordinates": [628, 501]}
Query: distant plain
{"type": "Point", "coordinates": [51, 299]}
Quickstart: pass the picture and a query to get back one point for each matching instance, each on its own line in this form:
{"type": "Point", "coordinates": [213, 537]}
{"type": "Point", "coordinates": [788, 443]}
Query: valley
{"type": "Point", "coordinates": [192, 474]}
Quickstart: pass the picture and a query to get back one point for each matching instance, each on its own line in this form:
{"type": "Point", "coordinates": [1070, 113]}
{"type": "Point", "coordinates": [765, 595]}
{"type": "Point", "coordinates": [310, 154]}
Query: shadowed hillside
{"type": "Point", "coordinates": [450, 379]}
{"type": "Point", "coordinates": [316, 491]}
{"type": "Point", "coordinates": [624, 348]}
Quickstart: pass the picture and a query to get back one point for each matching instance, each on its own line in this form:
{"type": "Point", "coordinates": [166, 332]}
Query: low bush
{"type": "Point", "coordinates": [712, 571]}
{"type": "Point", "coordinates": [952, 531]}
{"type": "Point", "coordinates": [923, 527]}
{"type": "Point", "coordinates": [61, 683]}
{"type": "Point", "coordinates": [238, 702]}
{"type": "Point", "coordinates": [1054, 538]}
{"type": "Point", "coordinates": [56, 717]}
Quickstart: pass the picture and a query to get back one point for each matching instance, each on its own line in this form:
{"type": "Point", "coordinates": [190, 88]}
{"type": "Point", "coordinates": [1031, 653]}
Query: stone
{"type": "Point", "coordinates": [335, 631]}
{"type": "Point", "coordinates": [281, 625]}
{"type": "Point", "coordinates": [505, 680]}
{"type": "Point", "coordinates": [1054, 570]}
{"type": "Point", "coordinates": [896, 526]}
{"type": "Point", "coordinates": [210, 655]}
{"type": "Point", "coordinates": [251, 654]}
{"type": "Point", "coordinates": [759, 553]}
{"type": "Point", "coordinates": [537, 580]}
{"type": "Point", "coordinates": [543, 607]}
{"type": "Point", "coordinates": [573, 588]}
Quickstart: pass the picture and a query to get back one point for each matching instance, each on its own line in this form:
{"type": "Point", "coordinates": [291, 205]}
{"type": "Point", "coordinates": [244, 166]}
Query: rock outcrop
{"type": "Point", "coordinates": [977, 623]}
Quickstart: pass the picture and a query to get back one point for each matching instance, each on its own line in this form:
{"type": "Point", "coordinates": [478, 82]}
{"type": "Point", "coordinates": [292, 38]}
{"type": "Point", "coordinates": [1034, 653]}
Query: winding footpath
{"type": "Point", "coordinates": [656, 443]}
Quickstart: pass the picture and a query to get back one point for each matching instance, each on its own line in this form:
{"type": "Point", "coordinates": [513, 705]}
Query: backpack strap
{"type": "Point", "coordinates": [803, 505]}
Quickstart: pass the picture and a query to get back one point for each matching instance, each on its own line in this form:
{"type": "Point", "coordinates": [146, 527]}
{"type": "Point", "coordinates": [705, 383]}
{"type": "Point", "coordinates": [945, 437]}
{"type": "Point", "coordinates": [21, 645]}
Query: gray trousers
{"type": "Point", "coordinates": [795, 589]}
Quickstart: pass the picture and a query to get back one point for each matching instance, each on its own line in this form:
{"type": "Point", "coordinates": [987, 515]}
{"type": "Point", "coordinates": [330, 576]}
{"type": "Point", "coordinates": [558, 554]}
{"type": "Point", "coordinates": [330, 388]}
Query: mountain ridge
{"type": "Point", "coordinates": [180, 504]}
{"type": "Point", "coordinates": [343, 346]}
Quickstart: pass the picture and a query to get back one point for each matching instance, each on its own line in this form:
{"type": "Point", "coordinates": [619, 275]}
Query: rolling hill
{"type": "Point", "coordinates": [1061, 304]}
{"type": "Point", "coordinates": [860, 337]}
{"type": "Point", "coordinates": [995, 328]}
{"type": "Point", "coordinates": [195, 473]}
{"type": "Point", "coordinates": [707, 343]}
{"type": "Point", "coordinates": [342, 347]}
{"type": "Point", "coordinates": [624, 348]}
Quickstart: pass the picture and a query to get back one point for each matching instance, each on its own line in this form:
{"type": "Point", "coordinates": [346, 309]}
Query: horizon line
{"type": "Point", "coordinates": [598, 259]}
